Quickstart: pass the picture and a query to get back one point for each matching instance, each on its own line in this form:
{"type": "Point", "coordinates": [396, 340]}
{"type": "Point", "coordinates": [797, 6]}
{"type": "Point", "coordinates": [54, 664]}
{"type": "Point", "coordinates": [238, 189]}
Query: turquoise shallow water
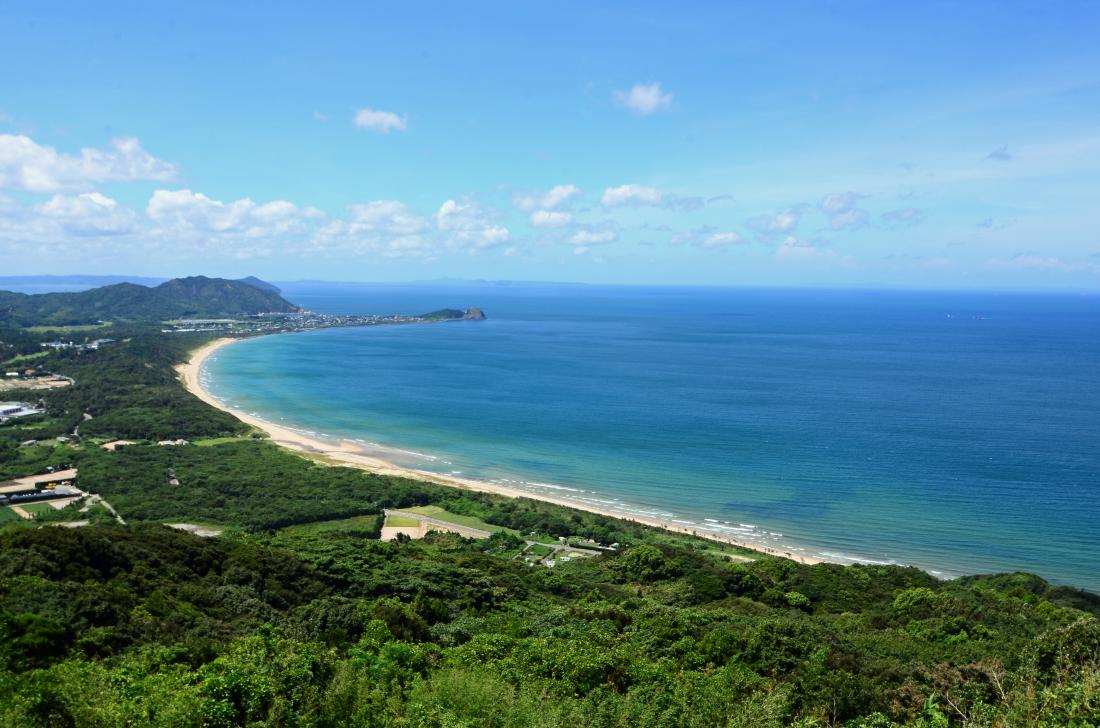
{"type": "Point", "coordinates": [956, 432]}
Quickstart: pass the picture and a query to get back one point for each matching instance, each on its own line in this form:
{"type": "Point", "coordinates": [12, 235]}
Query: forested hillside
{"type": "Point", "coordinates": [298, 615]}
{"type": "Point", "coordinates": [180, 297]}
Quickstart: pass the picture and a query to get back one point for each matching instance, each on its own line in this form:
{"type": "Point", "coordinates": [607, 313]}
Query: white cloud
{"type": "Point", "coordinates": [558, 196]}
{"type": "Point", "coordinates": [81, 225]}
{"type": "Point", "coordinates": [707, 237]}
{"type": "Point", "coordinates": [631, 195]}
{"type": "Point", "coordinates": [720, 240]}
{"type": "Point", "coordinates": [592, 237]}
{"type": "Point", "coordinates": [836, 203]}
{"type": "Point", "coordinates": [644, 98]}
{"type": "Point", "coordinates": [382, 122]}
{"type": "Point", "coordinates": [27, 165]}
{"type": "Point", "coordinates": [241, 228]}
{"type": "Point", "coordinates": [387, 216]}
{"type": "Point", "coordinates": [842, 209]}
{"type": "Point", "coordinates": [779, 223]}
{"type": "Point", "coordinates": [469, 226]}
{"type": "Point", "coordinates": [379, 227]}
{"type": "Point", "coordinates": [550, 219]}
{"type": "Point", "coordinates": [180, 210]}
{"type": "Point", "coordinates": [88, 214]}
{"type": "Point", "coordinates": [634, 195]}
{"type": "Point", "coordinates": [338, 238]}
{"type": "Point", "coordinates": [187, 224]}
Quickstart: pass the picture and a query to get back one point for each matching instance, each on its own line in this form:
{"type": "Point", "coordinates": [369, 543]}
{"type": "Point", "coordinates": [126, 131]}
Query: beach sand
{"type": "Point", "coordinates": [350, 454]}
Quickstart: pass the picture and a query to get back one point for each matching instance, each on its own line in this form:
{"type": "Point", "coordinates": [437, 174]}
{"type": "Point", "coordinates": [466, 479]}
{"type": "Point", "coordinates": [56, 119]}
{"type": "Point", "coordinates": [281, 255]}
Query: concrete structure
{"type": "Point", "coordinates": [42, 481]}
{"type": "Point", "coordinates": [389, 533]}
{"type": "Point", "coordinates": [11, 410]}
{"type": "Point", "coordinates": [427, 524]}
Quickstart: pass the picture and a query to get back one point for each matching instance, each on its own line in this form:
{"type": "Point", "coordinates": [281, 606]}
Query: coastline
{"type": "Point", "coordinates": [349, 454]}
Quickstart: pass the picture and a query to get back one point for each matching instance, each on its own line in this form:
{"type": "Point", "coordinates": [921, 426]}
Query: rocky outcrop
{"type": "Point", "coordinates": [473, 314]}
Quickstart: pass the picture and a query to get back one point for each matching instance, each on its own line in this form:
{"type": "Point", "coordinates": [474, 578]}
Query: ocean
{"type": "Point", "coordinates": [956, 432]}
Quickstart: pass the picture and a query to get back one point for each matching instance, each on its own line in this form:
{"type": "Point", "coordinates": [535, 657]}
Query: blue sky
{"type": "Point", "coordinates": [826, 143]}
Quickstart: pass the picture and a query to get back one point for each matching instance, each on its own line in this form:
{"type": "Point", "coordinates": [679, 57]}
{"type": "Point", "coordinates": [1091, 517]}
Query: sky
{"type": "Point", "coordinates": [838, 144]}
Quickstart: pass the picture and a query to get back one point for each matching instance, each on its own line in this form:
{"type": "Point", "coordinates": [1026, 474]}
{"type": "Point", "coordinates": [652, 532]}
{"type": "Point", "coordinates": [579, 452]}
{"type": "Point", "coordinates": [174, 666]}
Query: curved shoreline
{"type": "Point", "coordinates": [350, 454]}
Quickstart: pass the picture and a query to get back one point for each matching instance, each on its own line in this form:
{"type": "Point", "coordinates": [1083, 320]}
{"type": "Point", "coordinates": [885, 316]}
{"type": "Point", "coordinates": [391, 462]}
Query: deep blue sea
{"type": "Point", "coordinates": [957, 432]}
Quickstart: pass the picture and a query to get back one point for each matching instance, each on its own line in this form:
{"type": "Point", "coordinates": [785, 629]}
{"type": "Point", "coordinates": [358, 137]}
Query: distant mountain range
{"type": "Point", "coordinates": [197, 296]}
{"type": "Point", "coordinates": [82, 281]}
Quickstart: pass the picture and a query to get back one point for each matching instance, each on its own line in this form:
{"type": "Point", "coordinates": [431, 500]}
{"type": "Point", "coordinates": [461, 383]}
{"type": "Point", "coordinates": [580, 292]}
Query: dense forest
{"type": "Point", "coordinates": [180, 297]}
{"type": "Point", "coordinates": [298, 615]}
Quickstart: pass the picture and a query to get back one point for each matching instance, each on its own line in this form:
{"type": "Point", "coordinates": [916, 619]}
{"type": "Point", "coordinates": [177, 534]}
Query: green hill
{"type": "Point", "coordinates": [180, 297]}
{"type": "Point", "coordinates": [262, 285]}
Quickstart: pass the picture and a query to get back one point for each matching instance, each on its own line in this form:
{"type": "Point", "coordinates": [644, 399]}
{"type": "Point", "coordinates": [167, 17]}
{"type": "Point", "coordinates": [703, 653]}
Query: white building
{"type": "Point", "coordinates": [17, 409]}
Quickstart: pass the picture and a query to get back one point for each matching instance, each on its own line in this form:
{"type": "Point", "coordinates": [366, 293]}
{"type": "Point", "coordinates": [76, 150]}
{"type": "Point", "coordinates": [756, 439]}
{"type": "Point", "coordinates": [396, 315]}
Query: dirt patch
{"type": "Point", "coordinates": [204, 531]}
{"type": "Point", "coordinates": [11, 384]}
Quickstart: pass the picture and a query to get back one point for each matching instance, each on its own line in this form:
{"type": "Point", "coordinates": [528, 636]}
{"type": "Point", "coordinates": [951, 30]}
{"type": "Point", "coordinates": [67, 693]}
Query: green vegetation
{"type": "Point", "coordinates": [131, 392]}
{"type": "Point", "coordinates": [401, 522]}
{"type": "Point", "coordinates": [75, 328]}
{"type": "Point", "coordinates": [21, 358]}
{"type": "Point", "coordinates": [443, 314]}
{"type": "Point", "coordinates": [211, 441]}
{"type": "Point", "coordinates": [299, 616]}
{"type": "Point", "coordinates": [539, 550]}
{"type": "Point", "coordinates": [182, 297]}
{"type": "Point", "coordinates": [37, 508]}
{"type": "Point", "coordinates": [441, 514]}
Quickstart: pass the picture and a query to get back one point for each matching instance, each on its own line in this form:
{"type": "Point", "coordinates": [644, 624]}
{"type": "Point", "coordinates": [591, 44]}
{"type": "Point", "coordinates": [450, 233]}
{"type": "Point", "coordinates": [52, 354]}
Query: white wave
{"type": "Point", "coordinates": [552, 486]}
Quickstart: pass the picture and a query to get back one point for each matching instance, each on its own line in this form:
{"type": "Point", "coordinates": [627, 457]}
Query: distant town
{"type": "Point", "coordinates": [278, 322]}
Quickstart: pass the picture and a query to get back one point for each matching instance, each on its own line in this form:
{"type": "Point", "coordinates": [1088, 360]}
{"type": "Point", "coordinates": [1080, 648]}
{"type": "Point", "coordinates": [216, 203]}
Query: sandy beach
{"type": "Point", "coordinates": [351, 454]}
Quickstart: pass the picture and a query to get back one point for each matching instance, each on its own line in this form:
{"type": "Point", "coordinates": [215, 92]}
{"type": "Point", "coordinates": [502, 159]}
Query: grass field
{"type": "Point", "coordinates": [39, 507]}
{"type": "Point", "coordinates": [469, 521]}
{"type": "Point", "coordinates": [68, 329]}
{"type": "Point", "coordinates": [401, 522]}
{"type": "Point", "coordinates": [211, 441]}
{"type": "Point", "coordinates": [7, 515]}
{"type": "Point", "coordinates": [540, 550]}
{"type": "Point", "coordinates": [25, 358]}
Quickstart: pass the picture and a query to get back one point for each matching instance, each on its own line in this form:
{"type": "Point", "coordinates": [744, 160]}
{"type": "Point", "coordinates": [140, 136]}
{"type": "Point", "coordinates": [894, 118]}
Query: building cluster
{"type": "Point", "coordinates": [269, 323]}
{"type": "Point", "coordinates": [13, 410]}
{"type": "Point", "coordinates": [47, 486]}
{"type": "Point", "coordinates": [59, 345]}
